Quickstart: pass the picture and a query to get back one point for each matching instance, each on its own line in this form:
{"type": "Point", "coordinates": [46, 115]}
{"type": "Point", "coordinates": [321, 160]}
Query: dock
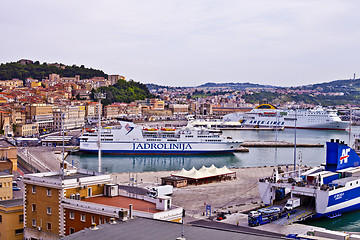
{"type": "Point", "coordinates": [272, 144]}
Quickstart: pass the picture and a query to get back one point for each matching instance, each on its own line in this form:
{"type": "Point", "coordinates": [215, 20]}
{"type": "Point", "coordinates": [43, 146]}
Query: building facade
{"type": "Point", "coordinates": [11, 219]}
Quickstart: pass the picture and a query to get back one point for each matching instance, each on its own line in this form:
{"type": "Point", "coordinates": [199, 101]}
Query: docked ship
{"type": "Point", "coordinates": [128, 138]}
{"type": "Point", "coordinates": [266, 115]}
{"type": "Point", "coordinates": [326, 191]}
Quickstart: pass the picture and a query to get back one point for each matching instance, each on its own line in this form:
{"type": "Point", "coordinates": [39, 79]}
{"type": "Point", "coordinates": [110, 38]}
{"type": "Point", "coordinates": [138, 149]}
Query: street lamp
{"type": "Point", "coordinates": [99, 96]}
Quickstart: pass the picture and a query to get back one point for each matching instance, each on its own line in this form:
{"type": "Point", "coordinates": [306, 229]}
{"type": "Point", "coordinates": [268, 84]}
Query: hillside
{"type": "Point", "coordinates": [124, 91]}
{"type": "Point", "coordinates": [35, 70]}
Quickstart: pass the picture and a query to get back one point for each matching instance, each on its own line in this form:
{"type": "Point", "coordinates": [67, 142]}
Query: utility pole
{"type": "Point", "coordinates": [99, 96]}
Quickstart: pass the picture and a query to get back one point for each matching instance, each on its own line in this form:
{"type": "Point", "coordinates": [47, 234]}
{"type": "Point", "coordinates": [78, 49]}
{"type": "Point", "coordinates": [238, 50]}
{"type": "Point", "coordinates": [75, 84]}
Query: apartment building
{"type": "Point", "coordinates": [6, 192]}
{"type": "Point", "coordinates": [11, 219]}
{"type": "Point", "coordinates": [57, 205]}
{"type": "Point", "coordinates": [179, 109]}
{"type": "Point", "coordinates": [8, 152]}
{"type": "Point", "coordinates": [12, 83]}
{"type": "Point", "coordinates": [42, 114]}
{"type": "Point", "coordinates": [23, 130]}
{"type": "Point", "coordinates": [92, 110]}
{"type": "Point", "coordinates": [115, 110]}
{"type": "Point", "coordinates": [71, 117]}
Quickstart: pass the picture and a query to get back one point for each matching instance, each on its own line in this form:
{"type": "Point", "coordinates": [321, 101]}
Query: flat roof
{"type": "Point", "coordinates": [149, 229]}
{"type": "Point", "coordinates": [71, 176]}
{"type": "Point", "coordinates": [6, 174]}
{"type": "Point", "coordinates": [4, 143]}
{"type": "Point", "coordinates": [12, 202]}
{"type": "Point", "coordinates": [123, 202]}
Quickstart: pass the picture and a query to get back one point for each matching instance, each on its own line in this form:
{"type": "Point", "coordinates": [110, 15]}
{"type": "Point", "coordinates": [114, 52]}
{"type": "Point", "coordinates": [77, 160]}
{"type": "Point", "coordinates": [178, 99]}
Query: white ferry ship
{"type": "Point", "coordinates": [128, 138]}
{"type": "Point", "coordinates": [266, 115]}
{"type": "Point", "coordinates": [326, 191]}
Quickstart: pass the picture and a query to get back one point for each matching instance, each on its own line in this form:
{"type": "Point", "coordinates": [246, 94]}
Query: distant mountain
{"type": "Point", "coordinates": [29, 69]}
{"type": "Point", "coordinates": [235, 86]}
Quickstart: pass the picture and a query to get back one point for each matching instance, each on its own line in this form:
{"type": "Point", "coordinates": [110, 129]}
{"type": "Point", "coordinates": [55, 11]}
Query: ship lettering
{"type": "Point", "coordinates": [338, 196]}
{"type": "Point", "coordinates": [165, 146]}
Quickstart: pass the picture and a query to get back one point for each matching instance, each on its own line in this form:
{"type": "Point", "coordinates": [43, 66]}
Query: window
{"type": "Point", "coordinates": [48, 210]}
{"type": "Point", "coordinates": [92, 219]}
{"type": "Point", "coordinates": [1, 185]}
{"type": "Point", "coordinates": [21, 218]}
{"type": "Point", "coordinates": [0, 218]}
{"type": "Point", "coordinates": [71, 215]}
{"type": "Point", "coordinates": [72, 230]}
{"type": "Point", "coordinates": [33, 207]}
{"type": "Point", "coordinates": [72, 196]}
{"type": "Point", "coordinates": [89, 192]}
{"type": "Point", "coordinates": [19, 231]}
{"type": "Point", "coordinates": [33, 223]}
{"type": "Point", "coordinates": [101, 221]}
{"type": "Point", "coordinates": [48, 192]}
{"type": "Point", "coordinates": [82, 218]}
{"type": "Point", "coordinates": [33, 189]}
{"type": "Point", "coordinates": [48, 226]}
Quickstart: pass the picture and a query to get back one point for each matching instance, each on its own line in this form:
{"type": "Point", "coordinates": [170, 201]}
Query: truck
{"type": "Point", "coordinates": [263, 216]}
{"type": "Point", "coordinates": [160, 191]}
{"type": "Point", "coordinates": [292, 203]}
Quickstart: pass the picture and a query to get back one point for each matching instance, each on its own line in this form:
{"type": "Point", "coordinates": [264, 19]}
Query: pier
{"type": "Point", "coordinates": [279, 144]}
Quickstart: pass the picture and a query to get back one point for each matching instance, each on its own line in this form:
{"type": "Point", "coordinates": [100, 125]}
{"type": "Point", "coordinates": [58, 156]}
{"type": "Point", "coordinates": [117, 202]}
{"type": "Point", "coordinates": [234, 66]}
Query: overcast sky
{"type": "Point", "coordinates": [189, 42]}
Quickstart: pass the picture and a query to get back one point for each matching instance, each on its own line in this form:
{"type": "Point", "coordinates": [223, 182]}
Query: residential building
{"type": "Point", "coordinates": [92, 110]}
{"type": "Point", "coordinates": [6, 192]}
{"type": "Point", "coordinates": [8, 152]}
{"type": "Point", "coordinates": [23, 130]}
{"type": "Point", "coordinates": [12, 83]}
{"type": "Point", "coordinates": [179, 109]}
{"type": "Point", "coordinates": [71, 117]}
{"type": "Point", "coordinates": [42, 114]}
{"type": "Point", "coordinates": [11, 219]}
{"type": "Point", "coordinates": [58, 205]}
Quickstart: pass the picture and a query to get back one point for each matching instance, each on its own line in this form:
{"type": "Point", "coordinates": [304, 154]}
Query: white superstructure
{"type": "Point", "coordinates": [266, 115]}
{"type": "Point", "coordinates": [128, 138]}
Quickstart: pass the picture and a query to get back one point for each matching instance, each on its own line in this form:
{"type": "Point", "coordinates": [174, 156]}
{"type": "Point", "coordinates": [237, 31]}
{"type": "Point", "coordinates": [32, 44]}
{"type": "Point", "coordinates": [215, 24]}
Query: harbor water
{"type": "Point", "coordinates": [254, 158]}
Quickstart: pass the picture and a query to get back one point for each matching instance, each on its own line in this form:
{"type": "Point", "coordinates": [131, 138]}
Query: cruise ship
{"type": "Point", "coordinates": [326, 191]}
{"type": "Point", "coordinates": [129, 138]}
{"type": "Point", "coordinates": [266, 115]}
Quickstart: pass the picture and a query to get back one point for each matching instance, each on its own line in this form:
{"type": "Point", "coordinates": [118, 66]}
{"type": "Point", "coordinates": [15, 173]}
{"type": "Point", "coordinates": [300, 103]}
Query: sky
{"type": "Point", "coordinates": [189, 42]}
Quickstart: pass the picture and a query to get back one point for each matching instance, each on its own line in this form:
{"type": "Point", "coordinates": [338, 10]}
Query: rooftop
{"type": "Point", "coordinates": [11, 203]}
{"type": "Point", "coordinates": [146, 229]}
{"type": "Point", "coordinates": [4, 143]}
{"type": "Point", "coordinates": [123, 202]}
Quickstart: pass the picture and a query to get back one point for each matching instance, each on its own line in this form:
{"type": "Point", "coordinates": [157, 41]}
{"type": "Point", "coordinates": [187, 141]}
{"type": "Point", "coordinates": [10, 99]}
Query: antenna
{"type": "Point", "coordinates": [99, 96]}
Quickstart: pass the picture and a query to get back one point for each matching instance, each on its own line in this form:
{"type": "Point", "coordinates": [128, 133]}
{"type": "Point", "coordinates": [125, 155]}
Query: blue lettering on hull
{"type": "Point", "coordinates": [161, 146]}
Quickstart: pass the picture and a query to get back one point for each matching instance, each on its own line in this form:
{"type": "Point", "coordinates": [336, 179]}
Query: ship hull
{"type": "Point", "coordinates": [164, 148]}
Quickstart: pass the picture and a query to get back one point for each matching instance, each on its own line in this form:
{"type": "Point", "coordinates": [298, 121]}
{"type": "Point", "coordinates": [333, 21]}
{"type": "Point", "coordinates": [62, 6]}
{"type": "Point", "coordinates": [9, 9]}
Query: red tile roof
{"type": "Point", "coordinates": [123, 202]}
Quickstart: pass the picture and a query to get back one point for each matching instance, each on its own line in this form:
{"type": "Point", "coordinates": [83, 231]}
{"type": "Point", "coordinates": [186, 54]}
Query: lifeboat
{"type": "Point", "coordinates": [167, 129]}
{"type": "Point", "coordinates": [150, 129]}
{"type": "Point", "coordinates": [90, 130]}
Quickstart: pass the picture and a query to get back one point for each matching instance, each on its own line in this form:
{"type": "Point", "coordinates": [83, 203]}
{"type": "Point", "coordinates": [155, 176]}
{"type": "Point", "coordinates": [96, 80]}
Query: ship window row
{"type": "Point", "coordinates": [189, 136]}
{"type": "Point", "coordinates": [172, 140]}
{"type": "Point", "coordinates": [204, 136]}
{"type": "Point", "coordinates": [107, 139]}
{"type": "Point", "coordinates": [212, 140]}
{"type": "Point", "coordinates": [153, 140]}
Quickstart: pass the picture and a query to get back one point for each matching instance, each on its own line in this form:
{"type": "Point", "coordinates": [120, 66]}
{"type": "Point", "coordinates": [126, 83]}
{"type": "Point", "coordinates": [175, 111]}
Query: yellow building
{"type": "Point", "coordinates": [11, 219]}
{"type": "Point", "coordinates": [6, 186]}
{"type": "Point", "coordinates": [44, 213]}
{"type": "Point", "coordinates": [9, 152]}
{"type": "Point", "coordinates": [24, 130]}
